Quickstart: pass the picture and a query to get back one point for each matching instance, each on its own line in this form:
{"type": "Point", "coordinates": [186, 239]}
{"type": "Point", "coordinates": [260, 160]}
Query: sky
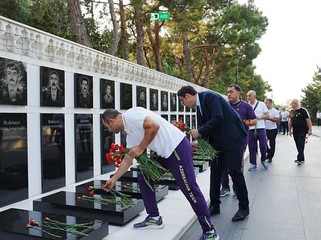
{"type": "Point", "coordinates": [291, 46]}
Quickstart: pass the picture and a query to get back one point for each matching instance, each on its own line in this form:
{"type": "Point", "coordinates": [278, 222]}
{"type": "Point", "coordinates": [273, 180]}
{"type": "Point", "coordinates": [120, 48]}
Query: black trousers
{"type": "Point", "coordinates": [233, 161]}
{"type": "Point", "coordinates": [271, 136]}
{"type": "Point", "coordinates": [299, 138]}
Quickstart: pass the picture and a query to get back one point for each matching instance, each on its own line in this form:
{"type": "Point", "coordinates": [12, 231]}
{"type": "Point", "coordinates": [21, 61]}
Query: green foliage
{"type": "Point", "coordinates": [17, 10]}
{"type": "Point", "coordinates": [312, 99]}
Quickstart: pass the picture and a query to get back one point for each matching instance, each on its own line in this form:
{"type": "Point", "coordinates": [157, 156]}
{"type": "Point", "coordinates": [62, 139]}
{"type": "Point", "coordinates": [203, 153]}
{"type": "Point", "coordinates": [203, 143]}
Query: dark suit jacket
{"type": "Point", "coordinates": [219, 122]}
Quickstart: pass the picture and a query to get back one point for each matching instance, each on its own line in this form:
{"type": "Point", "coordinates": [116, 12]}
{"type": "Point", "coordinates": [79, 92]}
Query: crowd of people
{"type": "Point", "coordinates": [229, 126]}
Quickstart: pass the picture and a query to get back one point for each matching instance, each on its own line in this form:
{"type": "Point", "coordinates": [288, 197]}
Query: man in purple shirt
{"type": "Point", "coordinates": [246, 112]}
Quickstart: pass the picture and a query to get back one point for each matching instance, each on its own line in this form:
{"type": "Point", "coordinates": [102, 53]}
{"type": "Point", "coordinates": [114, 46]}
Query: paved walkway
{"type": "Point", "coordinates": [285, 201]}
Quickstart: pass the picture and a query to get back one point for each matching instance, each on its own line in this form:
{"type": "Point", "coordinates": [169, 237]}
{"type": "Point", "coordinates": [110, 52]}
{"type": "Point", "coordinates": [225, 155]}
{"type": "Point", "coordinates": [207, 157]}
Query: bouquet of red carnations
{"type": "Point", "coordinates": [205, 149]}
{"type": "Point", "coordinates": [147, 164]}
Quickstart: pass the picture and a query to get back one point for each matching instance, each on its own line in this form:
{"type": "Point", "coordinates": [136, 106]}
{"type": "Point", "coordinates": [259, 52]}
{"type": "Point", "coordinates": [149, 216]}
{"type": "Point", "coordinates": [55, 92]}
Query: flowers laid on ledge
{"type": "Point", "coordinates": [204, 149]}
{"type": "Point", "coordinates": [250, 122]}
{"type": "Point", "coordinates": [147, 164]}
{"type": "Point", "coordinates": [53, 227]}
{"type": "Point", "coordinates": [118, 197]}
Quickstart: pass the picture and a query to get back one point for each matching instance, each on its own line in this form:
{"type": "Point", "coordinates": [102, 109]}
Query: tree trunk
{"type": "Point", "coordinates": [140, 37]}
{"type": "Point", "coordinates": [112, 50]}
{"type": "Point", "coordinates": [187, 57]}
{"type": "Point", "coordinates": [124, 37]}
{"type": "Point", "coordinates": [155, 44]}
{"type": "Point", "coordinates": [78, 27]}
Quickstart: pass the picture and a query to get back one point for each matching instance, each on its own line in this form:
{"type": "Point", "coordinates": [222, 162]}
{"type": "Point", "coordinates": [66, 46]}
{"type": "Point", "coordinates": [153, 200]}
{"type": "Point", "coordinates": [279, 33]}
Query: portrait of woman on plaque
{"type": "Point", "coordinates": [153, 99]}
{"type": "Point", "coordinates": [164, 103]}
{"type": "Point", "coordinates": [107, 93]}
{"type": "Point", "coordinates": [141, 96]}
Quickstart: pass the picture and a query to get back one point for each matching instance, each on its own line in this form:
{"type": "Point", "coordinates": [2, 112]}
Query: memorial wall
{"type": "Point", "coordinates": [52, 95]}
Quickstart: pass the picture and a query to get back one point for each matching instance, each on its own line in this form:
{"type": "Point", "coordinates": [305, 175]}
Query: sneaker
{"type": "Point", "coordinates": [224, 192]}
{"type": "Point", "coordinates": [265, 166]}
{"type": "Point", "coordinates": [210, 236]}
{"type": "Point", "coordinates": [150, 223]}
{"type": "Point", "coordinates": [296, 161]}
{"type": "Point", "coordinates": [252, 168]}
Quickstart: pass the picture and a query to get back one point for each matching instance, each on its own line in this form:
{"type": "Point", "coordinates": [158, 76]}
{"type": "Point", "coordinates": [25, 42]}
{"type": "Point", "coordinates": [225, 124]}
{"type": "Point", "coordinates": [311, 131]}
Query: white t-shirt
{"type": "Point", "coordinates": [284, 116]}
{"type": "Point", "coordinates": [273, 114]}
{"type": "Point", "coordinates": [166, 140]}
{"type": "Point", "coordinates": [259, 112]}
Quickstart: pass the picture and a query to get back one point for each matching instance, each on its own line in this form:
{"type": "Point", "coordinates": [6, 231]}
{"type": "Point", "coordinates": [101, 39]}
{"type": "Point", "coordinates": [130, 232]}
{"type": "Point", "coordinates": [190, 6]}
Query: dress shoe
{"type": "Point", "coordinates": [240, 215]}
{"type": "Point", "coordinates": [214, 210]}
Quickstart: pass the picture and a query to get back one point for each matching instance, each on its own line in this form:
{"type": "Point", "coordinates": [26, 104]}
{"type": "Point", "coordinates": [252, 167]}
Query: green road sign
{"type": "Point", "coordinates": [160, 16]}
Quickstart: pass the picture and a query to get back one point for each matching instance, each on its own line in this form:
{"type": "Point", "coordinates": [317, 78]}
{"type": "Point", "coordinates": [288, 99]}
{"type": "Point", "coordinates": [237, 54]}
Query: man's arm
{"type": "Point", "coordinates": [151, 128]}
{"type": "Point", "coordinates": [309, 124]}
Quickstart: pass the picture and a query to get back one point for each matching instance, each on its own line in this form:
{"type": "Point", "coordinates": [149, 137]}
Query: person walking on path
{"type": "Point", "coordinates": [223, 128]}
{"type": "Point", "coordinates": [271, 128]}
{"type": "Point", "coordinates": [300, 126]}
{"type": "Point", "coordinates": [257, 132]}
{"type": "Point", "coordinates": [146, 129]}
{"type": "Point", "coordinates": [318, 118]}
{"type": "Point", "coordinates": [246, 113]}
{"type": "Point", "coordinates": [284, 121]}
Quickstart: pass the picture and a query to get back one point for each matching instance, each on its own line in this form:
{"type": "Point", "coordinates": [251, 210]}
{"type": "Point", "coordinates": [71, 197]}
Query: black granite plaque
{"type": "Point", "coordinates": [83, 91]}
{"type": "Point", "coordinates": [84, 146]}
{"type": "Point", "coordinates": [165, 116]}
{"type": "Point", "coordinates": [13, 158]}
{"type": "Point", "coordinates": [126, 96]}
{"type": "Point", "coordinates": [107, 138]}
{"type": "Point", "coordinates": [153, 96]}
{"type": "Point", "coordinates": [168, 180]}
{"type": "Point", "coordinates": [173, 101]}
{"type": "Point", "coordinates": [107, 93]}
{"type": "Point", "coordinates": [69, 203]}
{"type": "Point", "coordinates": [141, 96]}
{"type": "Point", "coordinates": [164, 101]}
{"type": "Point", "coordinates": [13, 226]}
{"type": "Point", "coordinates": [129, 188]}
{"type": "Point", "coordinates": [180, 106]}
{"type": "Point", "coordinates": [13, 84]}
{"type": "Point", "coordinates": [202, 165]}
{"type": "Point", "coordinates": [52, 151]}
{"type": "Point", "coordinates": [173, 119]}
{"type": "Point", "coordinates": [52, 92]}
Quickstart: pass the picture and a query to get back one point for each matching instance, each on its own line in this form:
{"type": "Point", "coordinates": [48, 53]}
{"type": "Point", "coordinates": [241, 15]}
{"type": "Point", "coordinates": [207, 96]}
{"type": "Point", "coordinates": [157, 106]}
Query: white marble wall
{"type": "Point", "coordinates": [37, 48]}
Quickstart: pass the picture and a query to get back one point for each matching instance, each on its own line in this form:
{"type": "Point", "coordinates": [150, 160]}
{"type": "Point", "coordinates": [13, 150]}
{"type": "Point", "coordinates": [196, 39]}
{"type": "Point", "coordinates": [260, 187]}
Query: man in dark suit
{"type": "Point", "coordinates": [53, 96]}
{"type": "Point", "coordinates": [223, 128]}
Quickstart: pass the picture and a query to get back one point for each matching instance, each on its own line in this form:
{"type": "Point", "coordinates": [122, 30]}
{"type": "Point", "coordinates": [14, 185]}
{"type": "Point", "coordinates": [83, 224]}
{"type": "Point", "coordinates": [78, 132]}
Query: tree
{"type": "Point", "coordinates": [78, 26]}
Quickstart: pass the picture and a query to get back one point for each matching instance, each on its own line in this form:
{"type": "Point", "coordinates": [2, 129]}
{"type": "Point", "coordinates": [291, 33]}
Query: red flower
{"type": "Point", "coordinates": [182, 126]}
{"type": "Point", "coordinates": [116, 154]}
{"type": "Point", "coordinates": [90, 188]}
{"type": "Point", "coordinates": [91, 193]}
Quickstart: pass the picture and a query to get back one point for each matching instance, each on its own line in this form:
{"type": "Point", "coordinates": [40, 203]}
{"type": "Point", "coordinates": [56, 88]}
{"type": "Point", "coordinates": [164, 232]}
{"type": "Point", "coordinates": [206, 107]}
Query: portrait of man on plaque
{"type": "Point", "coordinates": [141, 96]}
{"type": "Point", "coordinates": [52, 87]}
{"type": "Point", "coordinates": [153, 99]}
{"type": "Point", "coordinates": [107, 93]}
{"type": "Point", "coordinates": [13, 82]}
{"type": "Point", "coordinates": [173, 102]}
{"type": "Point", "coordinates": [126, 96]}
{"type": "Point", "coordinates": [164, 103]}
{"type": "Point", "coordinates": [83, 91]}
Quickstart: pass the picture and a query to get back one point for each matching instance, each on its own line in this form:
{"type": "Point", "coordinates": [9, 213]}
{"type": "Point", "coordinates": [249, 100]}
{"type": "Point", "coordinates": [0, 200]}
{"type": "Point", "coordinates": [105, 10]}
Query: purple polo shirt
{"type": "Point", "coordinates": [244, 109]}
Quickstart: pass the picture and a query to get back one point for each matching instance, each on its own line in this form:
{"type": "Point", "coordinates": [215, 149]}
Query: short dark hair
{"type": "Point", "coordinates": [236, 87]}
{"type": "Point", "coordinates": [269, 100]}
{"type": "Point", "coordinates": [110, 113]}
{"type": "Point", "coordinates": [186, 90]}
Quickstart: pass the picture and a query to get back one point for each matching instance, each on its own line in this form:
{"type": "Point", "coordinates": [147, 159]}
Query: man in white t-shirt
{"type": "Point", "coordinates": [284, 121]}
{"type": "Point", "coordinates": [271, 128]}
{"type": "Point", "coordinates": [145, 129]}
{"type": "Point", "coordinates": [257, 132]}
{"type": "Point", "coordinates": [318, 118]}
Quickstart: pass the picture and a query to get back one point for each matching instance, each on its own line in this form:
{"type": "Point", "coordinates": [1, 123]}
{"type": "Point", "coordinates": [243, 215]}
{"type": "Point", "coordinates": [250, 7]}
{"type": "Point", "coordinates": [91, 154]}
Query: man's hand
{"type": "Point", "coordinates": [194, 133]}
{"type": "Point", "coordinates": [135, 152]}
{"type": "Point", "coordinates": [109, 185]}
